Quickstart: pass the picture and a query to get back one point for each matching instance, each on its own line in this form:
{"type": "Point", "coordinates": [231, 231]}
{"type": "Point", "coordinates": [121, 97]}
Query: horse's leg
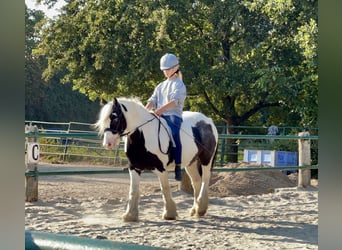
{"type": "Point", "coordinates": [203, 197]}
{"type": "Point", "coordinates": [132, 213]}
{"type": "Point", "coordinates": [196, 179]}
{"type": "Point", "coordinates": [170, 210]}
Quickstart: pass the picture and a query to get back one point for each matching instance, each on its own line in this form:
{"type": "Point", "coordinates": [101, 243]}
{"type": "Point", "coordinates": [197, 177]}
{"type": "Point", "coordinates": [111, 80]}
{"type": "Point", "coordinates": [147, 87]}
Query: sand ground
{"type": "Point", "coordinates": [263, 210]}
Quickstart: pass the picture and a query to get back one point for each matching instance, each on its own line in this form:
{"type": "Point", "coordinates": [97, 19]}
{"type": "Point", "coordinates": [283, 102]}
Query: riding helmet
{"type": "Point", "coordinates": [168, 61]}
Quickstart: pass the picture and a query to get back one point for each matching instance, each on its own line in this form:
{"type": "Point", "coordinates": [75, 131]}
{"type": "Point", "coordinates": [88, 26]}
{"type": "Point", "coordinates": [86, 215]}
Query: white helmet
{"type": "Point", "coordinates": [168, 61]}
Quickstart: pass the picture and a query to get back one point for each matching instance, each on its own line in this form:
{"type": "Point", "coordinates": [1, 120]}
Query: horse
{"type": "Point", "coordinates": [148, 144]}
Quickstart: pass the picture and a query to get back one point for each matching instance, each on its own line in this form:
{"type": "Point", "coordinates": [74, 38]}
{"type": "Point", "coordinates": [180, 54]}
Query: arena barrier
{"type": "Point", "coordinates": [32, 159]}
{"type": "Point", "coordinates": [37, 173]}
{"type": "Point", "coordinates": [35, 240]}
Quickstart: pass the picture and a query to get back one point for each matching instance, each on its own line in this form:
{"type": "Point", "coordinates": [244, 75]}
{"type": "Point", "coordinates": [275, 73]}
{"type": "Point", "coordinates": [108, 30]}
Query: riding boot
{"type": "Point", "coordinates": [178, 173]}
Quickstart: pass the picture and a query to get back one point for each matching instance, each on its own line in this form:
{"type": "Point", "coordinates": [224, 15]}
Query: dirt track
{"type": "Point", "coordinates": [92, 206]}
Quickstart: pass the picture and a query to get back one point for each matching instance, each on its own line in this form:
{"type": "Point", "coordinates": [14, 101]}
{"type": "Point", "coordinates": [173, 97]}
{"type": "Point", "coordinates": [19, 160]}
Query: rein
{"type": "Point", "coordinates": [160, 149]}
{"type": "Point", "coordinates": [160, 123]}
{"type": "Point", "coordinates": [121, 133]}
{"type": "Point", "coordinates": [139, 126]}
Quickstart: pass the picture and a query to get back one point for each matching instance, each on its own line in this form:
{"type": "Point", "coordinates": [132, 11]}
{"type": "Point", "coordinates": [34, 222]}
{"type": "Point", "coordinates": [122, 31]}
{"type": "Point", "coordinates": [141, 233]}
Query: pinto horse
{"type": "Point", "coordinates": [148, 144]}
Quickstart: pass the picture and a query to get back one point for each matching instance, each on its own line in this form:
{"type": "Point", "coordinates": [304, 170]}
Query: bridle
{"type": "Point", "coordinates": [118, 124]}
{"type": "Point", "coordinates": [117, 121]}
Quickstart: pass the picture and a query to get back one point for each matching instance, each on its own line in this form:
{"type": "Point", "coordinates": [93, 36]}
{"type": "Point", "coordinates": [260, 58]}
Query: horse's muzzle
{"type": "Point", "coordinates": [110, 140]}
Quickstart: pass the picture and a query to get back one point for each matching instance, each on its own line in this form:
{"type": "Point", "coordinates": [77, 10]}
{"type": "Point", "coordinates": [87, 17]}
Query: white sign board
{"type": "Point", "coordinates": [32, 152]}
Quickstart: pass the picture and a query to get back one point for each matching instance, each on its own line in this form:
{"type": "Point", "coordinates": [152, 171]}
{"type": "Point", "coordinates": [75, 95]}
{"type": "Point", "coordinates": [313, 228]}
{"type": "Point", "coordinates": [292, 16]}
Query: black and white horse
{"type": "Point", "coordinates": [148, 142]}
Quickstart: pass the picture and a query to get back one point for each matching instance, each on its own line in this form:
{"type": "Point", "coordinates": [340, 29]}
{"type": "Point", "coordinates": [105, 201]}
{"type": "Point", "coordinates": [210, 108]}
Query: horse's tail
{"type": "Point", "coordinates": [214, 158]}
{"type": "Point", "coordinates": [199, 165]}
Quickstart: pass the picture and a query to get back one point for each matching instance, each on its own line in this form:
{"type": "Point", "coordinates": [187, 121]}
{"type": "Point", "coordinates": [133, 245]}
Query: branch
{"type": "Point", "coordinates": [235, 41]}
{"type": "Point", "coordinates": [256, 108]}
{"type": "Point", "coordinates": [212, 105]}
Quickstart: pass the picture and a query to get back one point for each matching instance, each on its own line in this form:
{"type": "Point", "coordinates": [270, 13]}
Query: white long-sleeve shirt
{"type": "Point", "coordinates": [167, 91]}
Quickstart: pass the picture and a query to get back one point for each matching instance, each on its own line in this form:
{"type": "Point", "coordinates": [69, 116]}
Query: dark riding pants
{"type": "Point", "coordinates": [175, 123]}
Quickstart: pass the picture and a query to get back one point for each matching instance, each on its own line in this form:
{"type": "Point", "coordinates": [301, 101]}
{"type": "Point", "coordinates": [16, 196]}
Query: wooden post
{"type": "Point", "coordinates": [304, 159]}
{"type": "Point", "coordinates": [31, 162]}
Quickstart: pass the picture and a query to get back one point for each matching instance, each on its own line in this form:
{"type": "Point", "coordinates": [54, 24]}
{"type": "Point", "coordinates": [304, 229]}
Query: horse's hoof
{"type": "Point", "coordinates": [169, 217]}
{"type": "Point", "coordinates": [129, 218]}
{"type": "Point", "coordinates": [197, 213]}
{"type": "Point", "coordinates": [201, 213]}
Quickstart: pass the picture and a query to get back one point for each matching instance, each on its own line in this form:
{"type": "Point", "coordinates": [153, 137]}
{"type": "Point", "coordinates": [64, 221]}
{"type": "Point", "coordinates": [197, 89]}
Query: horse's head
{"type": "Point", "coordinates": [112, 123]}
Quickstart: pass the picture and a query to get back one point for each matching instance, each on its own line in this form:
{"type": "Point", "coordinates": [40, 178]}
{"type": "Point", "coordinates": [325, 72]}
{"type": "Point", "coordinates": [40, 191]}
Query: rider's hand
{"type": "Point", "coordinates": [158, 112]}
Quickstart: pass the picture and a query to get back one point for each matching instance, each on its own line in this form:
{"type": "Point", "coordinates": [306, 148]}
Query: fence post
{"type": "Point", "coordinates": [223, 150]}
{"type": "Point", "coordinates": [304, 159]}
{"type": "Point", "coordinates": [31, 160]}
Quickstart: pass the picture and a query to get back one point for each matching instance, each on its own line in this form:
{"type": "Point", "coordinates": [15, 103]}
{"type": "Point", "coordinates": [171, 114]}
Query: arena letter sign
{"type": "Point", "coordinates": [33, 152]}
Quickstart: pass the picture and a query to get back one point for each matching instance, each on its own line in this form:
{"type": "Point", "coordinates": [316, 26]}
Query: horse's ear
{"type": "Point", "coordinates": [103, 102]}
{"type": "Point", "coordinates": [115, 101]}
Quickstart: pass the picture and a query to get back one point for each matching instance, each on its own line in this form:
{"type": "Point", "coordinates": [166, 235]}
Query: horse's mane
{"type": "Point", "coordinates": [131, 99]}
{"type": "Point", "coordinates": [103, 121]}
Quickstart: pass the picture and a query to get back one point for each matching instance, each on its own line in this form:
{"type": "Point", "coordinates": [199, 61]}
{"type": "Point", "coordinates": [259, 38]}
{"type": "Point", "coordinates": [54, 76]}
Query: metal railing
{"type": "Point", "coordinates": [118, 157]}
{"type": "Point", "coordinates": [32, 167]}
{"type": "Point", "coordinates": [74, 140]}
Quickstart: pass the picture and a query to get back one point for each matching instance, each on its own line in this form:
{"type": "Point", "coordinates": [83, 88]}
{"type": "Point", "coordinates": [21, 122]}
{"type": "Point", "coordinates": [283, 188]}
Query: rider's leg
{"type": "Point", "coordinates": [174, 123]}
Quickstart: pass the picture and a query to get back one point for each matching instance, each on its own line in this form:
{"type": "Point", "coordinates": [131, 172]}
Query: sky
{"type": "Point", "coordinates": [48, 12]}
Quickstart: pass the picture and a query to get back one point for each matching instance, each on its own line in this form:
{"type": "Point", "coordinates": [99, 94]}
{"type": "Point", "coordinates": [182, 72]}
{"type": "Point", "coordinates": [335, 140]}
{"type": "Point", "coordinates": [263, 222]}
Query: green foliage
{"type": "Point", "coordinates": [244, 62]}
{"type": "Point", "coordinates": [50, 100]}
{"type": "Point", "coordinates": [293, 41]}
{"type": "Point", "coordinates": [33, 66]}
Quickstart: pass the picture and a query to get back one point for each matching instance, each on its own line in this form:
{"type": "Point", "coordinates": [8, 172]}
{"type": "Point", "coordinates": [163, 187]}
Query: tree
{"type": "Point", "coordinates": [295, 34]}
{"type": "Point", "coordinates": [49, 100]}
{"type": "Point", "coordinates": [243, 61]}
{"type": "Point", "coordinates": [103, 46]}
{"type": "Point", "coordinates": [33, 67]}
